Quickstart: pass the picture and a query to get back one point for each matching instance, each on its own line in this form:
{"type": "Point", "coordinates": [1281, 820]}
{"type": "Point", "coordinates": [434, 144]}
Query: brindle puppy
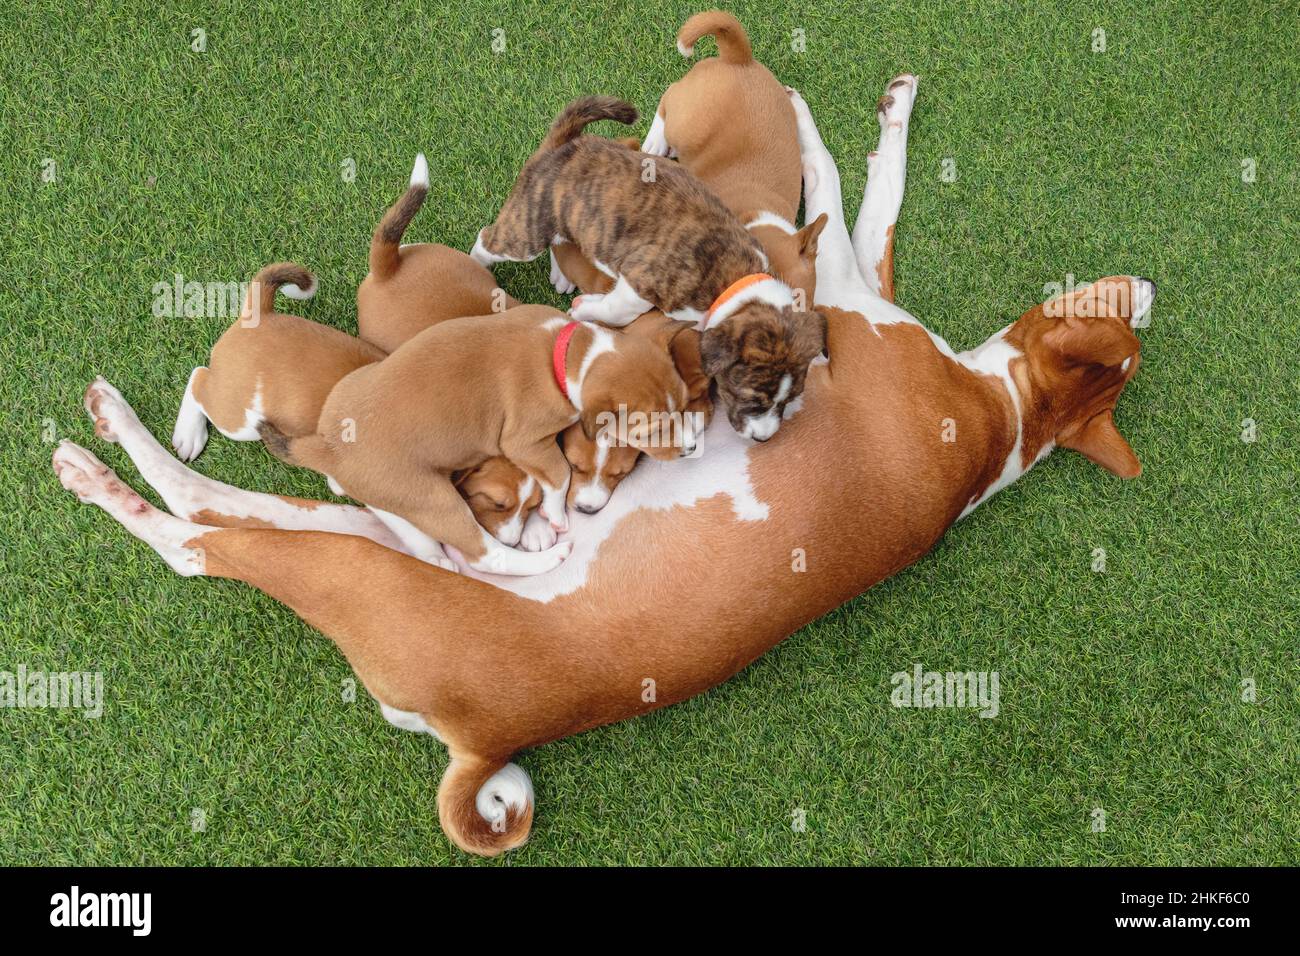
{"type": "Point", "coordinates": [670, 244]}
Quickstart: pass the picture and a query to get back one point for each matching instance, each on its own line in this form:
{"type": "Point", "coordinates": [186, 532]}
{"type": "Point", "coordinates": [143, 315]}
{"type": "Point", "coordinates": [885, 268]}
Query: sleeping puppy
{"type": "Point", "coordinates": [600, 464]}
{"type": "Point", "coordinates": [671, 245]}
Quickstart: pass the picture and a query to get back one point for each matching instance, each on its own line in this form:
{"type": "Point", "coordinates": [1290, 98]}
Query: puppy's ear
{"type": "Point", "coordinates": [665, 335]}
{"type": "Point", "coordinates": [718, 350]}
{"type": "Point", "coordinates": [1092, 341]}
{"type": "Point", "coordinates": [594, 419]}
{"type": "Point", "coordinates": [807, 333]}
{"type": "Point", "coordinates": [808, 237]}
{"type": "Point", "coordinates": [1101, 442]}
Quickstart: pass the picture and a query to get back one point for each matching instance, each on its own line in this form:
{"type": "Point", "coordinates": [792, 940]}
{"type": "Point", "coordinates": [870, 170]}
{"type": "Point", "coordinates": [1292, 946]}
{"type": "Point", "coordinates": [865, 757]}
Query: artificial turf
{"type": "Point", "coordinates": [1120, 690]}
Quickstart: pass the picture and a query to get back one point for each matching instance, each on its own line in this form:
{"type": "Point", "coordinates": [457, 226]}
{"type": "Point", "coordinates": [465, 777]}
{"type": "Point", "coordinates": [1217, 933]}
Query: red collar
{"type": "Point", "coordinates": [560, 354]}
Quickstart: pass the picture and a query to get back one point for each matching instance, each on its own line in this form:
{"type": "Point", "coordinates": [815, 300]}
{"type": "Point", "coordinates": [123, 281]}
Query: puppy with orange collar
{"type": "Point", "coordinates": [673, 246]}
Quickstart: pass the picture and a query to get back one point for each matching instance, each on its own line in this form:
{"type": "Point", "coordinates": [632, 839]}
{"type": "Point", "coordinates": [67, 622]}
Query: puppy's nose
{"type": "Point", "coordinates": [758, 437]}
{"type": "Point", "coordinates": [587, 509]}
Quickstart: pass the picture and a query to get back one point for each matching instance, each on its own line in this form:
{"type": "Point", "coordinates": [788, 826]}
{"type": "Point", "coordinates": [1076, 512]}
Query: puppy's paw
{"type": "Point", "coordinates": [586, 307]}
{"type": "Point", "coordinates": [538, 535]}
{"type": "Point", "coordinates": [559, 280]}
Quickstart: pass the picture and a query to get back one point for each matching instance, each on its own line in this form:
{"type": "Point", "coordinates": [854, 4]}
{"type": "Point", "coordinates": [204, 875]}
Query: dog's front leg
{"type": "Point", "coordinates": [873, 233]}
{"type": "Point", "coordinates": [543, 461]}
{"type": "Point", "coordinates": [200, 499]}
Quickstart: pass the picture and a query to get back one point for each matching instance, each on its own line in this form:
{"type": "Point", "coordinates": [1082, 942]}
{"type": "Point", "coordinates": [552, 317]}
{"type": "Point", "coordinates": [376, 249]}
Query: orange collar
{"type": "Point", "coordinates": [560, 356]}
{"type": "Point", "coordinates": [731, 291]}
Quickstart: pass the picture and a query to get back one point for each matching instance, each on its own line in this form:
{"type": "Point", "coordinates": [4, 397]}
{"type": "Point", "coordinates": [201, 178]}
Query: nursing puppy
{"type": "Point", "coordinates": [393, 433]}
{"type": "Point", "coordinates": [673, 246]}
{"type": "Point", "coordinates": [279, 369]}
{"type": "Point", "coordinates": [599, 465]}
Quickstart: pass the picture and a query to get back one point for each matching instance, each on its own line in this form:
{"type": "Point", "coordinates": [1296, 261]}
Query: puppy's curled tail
{"type": "Point", "coordinates": [485, 806]}
{"type": "Point", "coordinates": [387, 240]}
{"type": "Point", "coordinates": [733, 42]}
{"type": "Point", "coordinates": [575, 117]}
{"type": "Point", "coordinates": [289, 277]}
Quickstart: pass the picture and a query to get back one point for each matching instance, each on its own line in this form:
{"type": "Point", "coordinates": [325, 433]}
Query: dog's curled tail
{"type": "Point", "coordinates": [289, 277]}
{"type": "Point", "coordinates": [575, 117]}
{"type": "Point", "coordinates": [485, 806]}
{"type": "Point", "coordinates": [733, 42]}
{"type": "Point", "coordinates": [387, 240]}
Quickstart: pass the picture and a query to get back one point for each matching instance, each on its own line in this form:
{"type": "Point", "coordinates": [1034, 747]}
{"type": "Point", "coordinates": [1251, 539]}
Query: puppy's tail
{"type": "Point", "coordinates": [306, 451]}
{"type": "Point", "coordinates": [575, 117]}
{"type": "Point", "coordinates": [289, 277]}
{"type": "Point", "coordinates": [387, 240]}
{"type": "Point", "coordinates": [733, 42]}
{"type": "Point", "coordinates": [485, 806]}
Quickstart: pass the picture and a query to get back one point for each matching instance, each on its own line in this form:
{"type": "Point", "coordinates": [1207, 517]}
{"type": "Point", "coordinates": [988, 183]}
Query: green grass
{"type": "Point", "coordinates": [1119, 690]}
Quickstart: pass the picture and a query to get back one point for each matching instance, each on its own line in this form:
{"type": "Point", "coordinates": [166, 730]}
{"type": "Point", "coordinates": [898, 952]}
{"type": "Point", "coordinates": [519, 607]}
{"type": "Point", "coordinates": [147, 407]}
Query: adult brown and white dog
{"type": "Point", "coordinates": [492, 666]}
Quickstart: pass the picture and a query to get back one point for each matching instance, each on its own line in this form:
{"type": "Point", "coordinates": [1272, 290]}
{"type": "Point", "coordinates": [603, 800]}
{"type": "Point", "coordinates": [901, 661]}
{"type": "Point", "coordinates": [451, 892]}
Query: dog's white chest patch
{"type": "Point", "coordinates": [721, 467]}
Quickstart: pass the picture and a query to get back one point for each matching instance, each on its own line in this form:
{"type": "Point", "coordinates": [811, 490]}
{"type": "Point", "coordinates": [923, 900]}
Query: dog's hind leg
{"type": "Point", "coordinates": [839, 283]}
{"type": "Point", "coordinates": [203, 500]}
{"type": "Point", "coordinates": [519, 234]}
{"type": "Point", "coordinates": [873, 234]}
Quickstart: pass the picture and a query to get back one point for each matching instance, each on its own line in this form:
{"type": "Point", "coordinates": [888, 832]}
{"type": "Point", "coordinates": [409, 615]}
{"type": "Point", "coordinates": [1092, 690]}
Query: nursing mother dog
{"type": "Point", "coordinates": [861, 479]}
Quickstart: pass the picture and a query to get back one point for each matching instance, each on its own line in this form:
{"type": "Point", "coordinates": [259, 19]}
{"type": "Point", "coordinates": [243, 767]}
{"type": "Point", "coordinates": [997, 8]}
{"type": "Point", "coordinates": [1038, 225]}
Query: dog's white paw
{"type": "Point", "coordinates": [538, 535]}
{"type": "Point", "coordinates": [586, 307]}
{"type": "Point", "coordinates": [108, 410]}
{"type": "Point", "coordinates": [894, 108]}
{"type": "Point", "coordinates": [656, 142]}
{"type": "Point", "coordinates": [191, 431]}
{"type": "Point", "coordinates": [559, 280]}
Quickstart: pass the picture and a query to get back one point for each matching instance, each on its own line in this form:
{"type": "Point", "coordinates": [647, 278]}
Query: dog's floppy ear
{"type": "Point", "coordinates": [666, 334]}
{"type": "Point", "coordinates": [1101, 442]}
{"type": "Point", "coordinates": [809, 235]}
{"type": "Point", "coordinates": [807, 333]}
{"type": "Point", "coordinates": [718, 350]}
{"type": "Point", "coordinates": [1092, 341]}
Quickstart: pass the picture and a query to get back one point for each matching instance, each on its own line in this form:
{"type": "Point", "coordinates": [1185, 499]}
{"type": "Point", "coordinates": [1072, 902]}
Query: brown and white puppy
{"type": "Point", "coordinates": [393, 433]}
{"type": "Point", "coordinates": [279, 369]}
{"type": "Point", "coordinates": [729, 122]}
{"type": "Point", "coordinates": [411, 287]}
{"type": "Point", "coordinates": [600, 464]}
{"type": "Point", "coordinates": [672, 245]}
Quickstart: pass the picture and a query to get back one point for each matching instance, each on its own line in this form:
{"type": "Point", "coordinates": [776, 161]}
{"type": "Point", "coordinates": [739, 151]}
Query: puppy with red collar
{"type": "Point", "coordinates": [672, 245]}
{"type": "Point", "coordinates": [393, 433]}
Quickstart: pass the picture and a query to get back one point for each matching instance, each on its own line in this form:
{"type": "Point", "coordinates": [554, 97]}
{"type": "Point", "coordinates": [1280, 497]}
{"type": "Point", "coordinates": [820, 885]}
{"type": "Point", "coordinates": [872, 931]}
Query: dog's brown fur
{"type": "Point", "coordinates": [671, 239]}
{"type": "Point", "coordinates": [392, 433]}
{"type": "Point", "coordinates": [291, 364]}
